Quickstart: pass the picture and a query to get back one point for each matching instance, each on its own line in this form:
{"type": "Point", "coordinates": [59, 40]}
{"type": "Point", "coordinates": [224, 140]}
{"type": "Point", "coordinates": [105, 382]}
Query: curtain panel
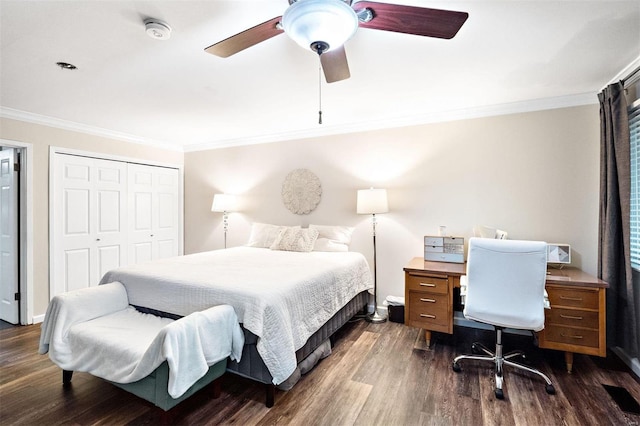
{"type": "Point", "coordinates": [614, 241]}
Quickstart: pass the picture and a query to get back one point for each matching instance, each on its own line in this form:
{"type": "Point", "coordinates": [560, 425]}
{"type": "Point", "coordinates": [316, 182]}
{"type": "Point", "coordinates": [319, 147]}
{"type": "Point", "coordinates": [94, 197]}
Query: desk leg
{"type": "Point", "coordinates": [427, 337]}
{"type": "Point", "coordinates": [568, 359]}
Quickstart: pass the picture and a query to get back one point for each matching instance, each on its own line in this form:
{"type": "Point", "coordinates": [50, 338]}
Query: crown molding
{"type": "Point", "coordinates": [629, 71]}
{"type": "Point", "coordinates": [58, 123]}
{"type": "Point", "coordinates": [363, 126]}
{"type": "Point", "coordinates": [414, 120]}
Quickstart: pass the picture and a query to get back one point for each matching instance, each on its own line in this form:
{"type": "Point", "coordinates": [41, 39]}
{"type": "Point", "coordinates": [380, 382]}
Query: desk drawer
{"type": "Point", "coordinates": [572, 318]}
{"type": "Point", "coordinates": [430, 284]}
{"type": "Point", "coordinates": [575, 298]}
{"type": "Point", "coordinates": [428, 309]}
{"type": "Point", "coordinates": [571, 336]}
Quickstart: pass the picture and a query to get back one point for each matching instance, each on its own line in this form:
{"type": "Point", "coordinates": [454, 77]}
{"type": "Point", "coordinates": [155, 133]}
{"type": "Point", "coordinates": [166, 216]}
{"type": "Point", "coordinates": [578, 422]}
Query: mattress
{"type": "Point", "coordinates": [281, 297]}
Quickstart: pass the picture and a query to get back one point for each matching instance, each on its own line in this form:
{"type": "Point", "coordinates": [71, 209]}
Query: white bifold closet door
{"type": "Point", "coordinates": [153, 213]}
{"type": "Point", "coordinates": [106, 214]}
{"type": "Point", "coordinates": [89, 232]}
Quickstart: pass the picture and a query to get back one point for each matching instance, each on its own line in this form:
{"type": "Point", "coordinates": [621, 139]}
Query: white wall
{"type": "Point", "coordinates": [534, 175]}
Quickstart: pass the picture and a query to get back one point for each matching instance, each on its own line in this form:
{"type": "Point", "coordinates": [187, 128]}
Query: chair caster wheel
{"type": "Point", "coordinates": [550, 389]}
{"type": "Point", "coordinates": [456, 367]}
{"type": "Point", "coordinates": [499, 394]}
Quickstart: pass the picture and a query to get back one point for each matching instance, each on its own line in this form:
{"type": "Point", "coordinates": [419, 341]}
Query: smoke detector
{"type": "Point", "coordinates": [157, 30]}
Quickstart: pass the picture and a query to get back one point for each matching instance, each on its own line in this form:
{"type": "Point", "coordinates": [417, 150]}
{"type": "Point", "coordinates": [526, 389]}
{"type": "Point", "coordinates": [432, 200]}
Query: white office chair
{"type": "Point", "coordinates": [505, 289]}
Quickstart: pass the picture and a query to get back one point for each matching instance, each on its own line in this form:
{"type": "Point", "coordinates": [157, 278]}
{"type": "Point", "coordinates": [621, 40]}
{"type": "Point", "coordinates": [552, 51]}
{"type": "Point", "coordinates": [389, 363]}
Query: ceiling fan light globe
{"type": "Point", "coordinates": [329, 21]}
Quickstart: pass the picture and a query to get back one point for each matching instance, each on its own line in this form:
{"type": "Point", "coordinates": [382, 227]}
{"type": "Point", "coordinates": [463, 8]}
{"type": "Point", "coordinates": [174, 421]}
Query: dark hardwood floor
{"type": "Point", "coordinates": [378, 374]}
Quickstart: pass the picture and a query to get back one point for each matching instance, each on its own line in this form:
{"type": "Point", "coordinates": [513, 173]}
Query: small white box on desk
{"type": "Point", "coordinates": [444, 249]}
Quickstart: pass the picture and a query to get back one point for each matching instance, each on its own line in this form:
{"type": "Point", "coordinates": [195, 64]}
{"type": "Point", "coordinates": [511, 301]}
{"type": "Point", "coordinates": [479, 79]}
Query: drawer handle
{"type": "Point", "coordinates": [427, 316]}
{"type": "Point", "coordinates": [422, 299]}
{"type": "Point", "coordinates": [572, 337]}
{"type": "Point", "coordinates": [574, 299]}
{"type": "Point", "coordinates": [570, 317]}
{"type": "Point", "coordinates": [427, 285]}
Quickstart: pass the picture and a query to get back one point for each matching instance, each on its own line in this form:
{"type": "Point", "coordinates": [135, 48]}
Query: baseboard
{"type": "Point", "coordinates": [37, 319]}
{"type": "Point", "coordinates": [632, 363]}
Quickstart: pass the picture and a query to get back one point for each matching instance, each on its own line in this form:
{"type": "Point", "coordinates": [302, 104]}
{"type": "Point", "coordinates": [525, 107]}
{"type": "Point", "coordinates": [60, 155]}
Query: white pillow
{"type": "Point", "coordinates": [295, 239]}
{"type": "Point", "coordinates": [263, 235]}
{"type": "Point", "coordinates": [332, 238]}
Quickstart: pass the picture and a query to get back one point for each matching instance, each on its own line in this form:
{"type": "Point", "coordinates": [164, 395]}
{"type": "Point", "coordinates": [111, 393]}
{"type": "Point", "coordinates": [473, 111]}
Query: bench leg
{"type": "Point", "coordinates": [216, 389]}
{"type": "Point", "coordinates": [167, 418]}
{"type": "Point", "coordinates": [271, 394]}
{"type": "Point", "coordinates": [66, 377]}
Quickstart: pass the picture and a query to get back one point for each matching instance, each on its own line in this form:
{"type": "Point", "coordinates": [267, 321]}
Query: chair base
{"type": "Point", "coordinates": [500, 361]}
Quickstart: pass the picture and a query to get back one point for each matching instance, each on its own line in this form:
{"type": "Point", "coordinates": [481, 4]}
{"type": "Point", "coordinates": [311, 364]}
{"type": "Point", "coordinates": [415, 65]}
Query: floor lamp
{"type": "Point", "coordinates": [373, 201]}
{"type": "Point", "coordinates": [224, 203]}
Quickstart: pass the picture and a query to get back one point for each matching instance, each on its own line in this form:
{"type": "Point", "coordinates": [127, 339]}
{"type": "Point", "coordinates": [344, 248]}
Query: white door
{"type": "Point", "coordinates": [153, 212]}
{"type": "Point", "coordinates": [89, 220]}
{"type": "Point", "coordinates": [9, 237]}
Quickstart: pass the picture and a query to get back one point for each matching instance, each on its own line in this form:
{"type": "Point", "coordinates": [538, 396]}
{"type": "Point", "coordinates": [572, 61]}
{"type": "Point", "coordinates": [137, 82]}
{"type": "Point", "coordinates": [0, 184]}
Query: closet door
{"type": "Point", "coordinates": [88, 220]}
{"type": "Point", "coordinates": [153, 212]}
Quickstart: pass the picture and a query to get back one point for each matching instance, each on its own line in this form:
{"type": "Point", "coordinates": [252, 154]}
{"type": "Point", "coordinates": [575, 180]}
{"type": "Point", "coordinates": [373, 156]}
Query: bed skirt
{"type": "Point", "coordinates": [253, 367]}
{"type": "Point", "coordinates": [251, 364]}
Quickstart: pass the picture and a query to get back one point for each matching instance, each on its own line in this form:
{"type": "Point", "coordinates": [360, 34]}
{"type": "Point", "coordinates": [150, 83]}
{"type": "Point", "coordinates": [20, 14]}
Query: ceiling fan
{"type": "Point", "coordinates": [325, 25]}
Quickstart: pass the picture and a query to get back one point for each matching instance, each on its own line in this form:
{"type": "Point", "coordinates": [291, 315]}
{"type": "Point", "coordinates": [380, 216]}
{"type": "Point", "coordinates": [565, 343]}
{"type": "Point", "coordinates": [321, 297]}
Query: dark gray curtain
{"type": "Point", "coordinates": [614, 260]}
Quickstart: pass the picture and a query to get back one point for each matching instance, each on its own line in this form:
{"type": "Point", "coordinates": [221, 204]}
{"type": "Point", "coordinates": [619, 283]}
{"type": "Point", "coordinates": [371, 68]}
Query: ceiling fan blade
{"type": "Point", "coordinates": [335, 66]}
{"type": "Point", "coordinates": [245, 39]}
{"type": "Point", "coordinates": [412, 20]}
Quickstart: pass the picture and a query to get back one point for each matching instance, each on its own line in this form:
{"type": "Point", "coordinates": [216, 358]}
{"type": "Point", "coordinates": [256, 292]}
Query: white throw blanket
{"type": "Point", "coordinates": [95, 331]}
{"type": "Point", "coordinates": [280, 296]}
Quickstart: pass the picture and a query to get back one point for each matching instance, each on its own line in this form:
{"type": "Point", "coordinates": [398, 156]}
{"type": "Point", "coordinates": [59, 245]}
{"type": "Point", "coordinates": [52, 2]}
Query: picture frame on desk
{"type": "Point", "coordinates": [558, 253]}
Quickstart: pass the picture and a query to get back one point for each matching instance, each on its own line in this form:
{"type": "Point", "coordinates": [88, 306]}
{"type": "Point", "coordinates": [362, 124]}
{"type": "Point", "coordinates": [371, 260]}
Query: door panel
{"type": "Point", "coordinates": [89, 213]}
{"type": "Point", "coordinates": [142, 206]}
{"type": "Point", "coordinates": [109, 212]}
{"type": "Point", "coordinates": [153, 203]}
{"type": "Point", "coordinates": [166, 248]}
{"type": "Point", "coordinates": [9, 238]}
{"type": "Point", "coordinates": [142, 252]}
{"type": "Point", "coordinates": [77, 265]}
{"type": "Point", "coordinates": [108, 258]}
{"type": "Point", "coordinates": [76, 212]}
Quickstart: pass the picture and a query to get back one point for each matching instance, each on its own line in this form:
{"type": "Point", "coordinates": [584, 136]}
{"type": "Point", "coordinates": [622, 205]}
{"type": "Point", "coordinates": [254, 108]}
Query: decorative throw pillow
{"type": "Point", "coordinates": [332, 238]}
{"type": "Point", "coordinates": [263, 234]}
{"type": "Point", "coordinates": [295, 239]}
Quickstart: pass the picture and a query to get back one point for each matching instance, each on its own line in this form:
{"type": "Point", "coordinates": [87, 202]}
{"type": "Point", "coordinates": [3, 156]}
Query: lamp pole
{"type": "Point", "coordinates": [375, 317]}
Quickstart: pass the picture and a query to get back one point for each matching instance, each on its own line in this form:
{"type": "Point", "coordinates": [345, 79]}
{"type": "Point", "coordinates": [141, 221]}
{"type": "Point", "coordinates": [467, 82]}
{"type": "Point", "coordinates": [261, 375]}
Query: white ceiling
{"type": "Point", "coordinates": [508, 55]}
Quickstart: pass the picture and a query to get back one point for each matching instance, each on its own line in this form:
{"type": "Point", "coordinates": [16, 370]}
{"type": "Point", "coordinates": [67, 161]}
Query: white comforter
{"type": "Point", "coordinates": [96, 331]}
{"type": "Point", "coordinates": [282, 297]}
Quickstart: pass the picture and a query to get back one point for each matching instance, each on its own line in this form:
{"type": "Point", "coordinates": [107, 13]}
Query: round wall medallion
{"type": "Point", "coordinates": [301, 191]}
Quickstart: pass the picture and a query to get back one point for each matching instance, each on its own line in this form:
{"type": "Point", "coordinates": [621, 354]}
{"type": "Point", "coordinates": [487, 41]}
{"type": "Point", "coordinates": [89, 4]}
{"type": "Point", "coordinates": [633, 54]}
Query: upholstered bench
{"type": "Point", "coordinates": [161, 360]}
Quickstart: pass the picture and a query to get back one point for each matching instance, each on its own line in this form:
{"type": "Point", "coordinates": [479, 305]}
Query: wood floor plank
{"type": "Point", "coordinates": [336, 391]}
{"type": "Point", "coordinates": [378, 374]}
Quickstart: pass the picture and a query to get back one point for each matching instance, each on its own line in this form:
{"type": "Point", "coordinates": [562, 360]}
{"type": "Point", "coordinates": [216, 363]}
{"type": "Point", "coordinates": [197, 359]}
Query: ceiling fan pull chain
{"type": "Point", "coordinates": [319, 91]}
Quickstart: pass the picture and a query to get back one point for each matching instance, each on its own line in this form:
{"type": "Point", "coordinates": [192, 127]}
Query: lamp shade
{"type": "Point", "coordinates": [372, 201]}
{"type": "Point", "coordinates": [223, 203]}
{"type": "Point", "coordinates": [330, 21]}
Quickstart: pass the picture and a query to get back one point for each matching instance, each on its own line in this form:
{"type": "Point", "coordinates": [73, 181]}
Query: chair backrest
{"type": "Point", "coordinates": [506, 283]}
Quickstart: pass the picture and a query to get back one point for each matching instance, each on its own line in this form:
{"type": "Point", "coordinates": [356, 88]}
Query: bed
{"type": "Point", "coordinates": [289, 303]}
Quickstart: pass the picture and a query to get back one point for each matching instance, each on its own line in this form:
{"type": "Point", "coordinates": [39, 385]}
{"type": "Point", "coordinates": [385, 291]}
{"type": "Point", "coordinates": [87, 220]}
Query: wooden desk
{"type": "Point", "coordinates": [576, 322]}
